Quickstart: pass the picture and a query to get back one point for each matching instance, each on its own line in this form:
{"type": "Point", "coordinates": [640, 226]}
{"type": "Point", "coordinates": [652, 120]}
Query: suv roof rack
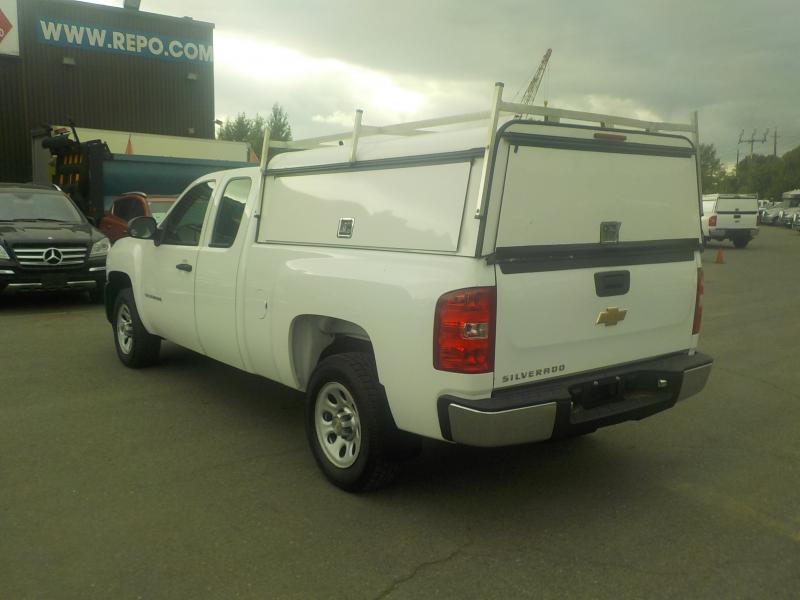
{"type": "Point", "coordinates": [29, 186]}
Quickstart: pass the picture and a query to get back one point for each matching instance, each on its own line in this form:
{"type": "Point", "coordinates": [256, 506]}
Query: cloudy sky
{"type": "Point", "coordinates": [736, 61]}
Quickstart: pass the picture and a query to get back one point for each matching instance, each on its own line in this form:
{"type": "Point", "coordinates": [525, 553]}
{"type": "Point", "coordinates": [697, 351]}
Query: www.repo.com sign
{"type": "Point", "coordinates": [134, 43]}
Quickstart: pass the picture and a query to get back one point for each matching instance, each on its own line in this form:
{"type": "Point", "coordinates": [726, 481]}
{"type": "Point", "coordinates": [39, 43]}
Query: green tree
{"type": "Point", "coordinates": [244, 129]}
{"type": "Point", "coordinates": [762, 175]}
{"type": "Point", "coordinates": [278, 124]}
{"type": "Point", "coordinates": [712, 172]}
{"type": "Point", "coordinates": [766, 175]}
{"type": "Point", "coordinates": [251, 129]}
{"type": "Point", "coordinates": [790, 179]}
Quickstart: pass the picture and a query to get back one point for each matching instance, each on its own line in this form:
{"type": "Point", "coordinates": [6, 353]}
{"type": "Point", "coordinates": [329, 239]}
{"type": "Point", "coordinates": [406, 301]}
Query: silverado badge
{"type": "Point", "coordinates": [611, 316]}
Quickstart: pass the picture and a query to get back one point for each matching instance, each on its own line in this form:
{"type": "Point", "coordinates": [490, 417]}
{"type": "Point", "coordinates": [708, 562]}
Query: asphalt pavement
{"type": "Point", "coordinates": [193, 480]}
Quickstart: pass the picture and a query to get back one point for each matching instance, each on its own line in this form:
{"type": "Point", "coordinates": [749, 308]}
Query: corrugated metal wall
{"type": "Point", "coordinates": [14, 152]}
{"type": "Point", "coordinates": [107, 90]}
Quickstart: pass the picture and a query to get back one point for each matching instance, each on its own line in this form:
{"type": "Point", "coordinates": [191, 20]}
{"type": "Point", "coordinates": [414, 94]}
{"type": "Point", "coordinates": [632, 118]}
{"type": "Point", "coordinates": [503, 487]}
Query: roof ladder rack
{"type": "Point", "coordinates": [492, 116]}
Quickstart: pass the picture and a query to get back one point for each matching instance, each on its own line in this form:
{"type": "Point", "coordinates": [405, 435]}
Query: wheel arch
{"type": "Point", "coordinates": [313, 338]}
{"type": "Point", "coordinates": [116, 282]}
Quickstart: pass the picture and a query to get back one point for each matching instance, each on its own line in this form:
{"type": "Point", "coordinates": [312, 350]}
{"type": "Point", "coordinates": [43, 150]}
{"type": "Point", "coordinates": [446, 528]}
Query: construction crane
{"type": "Point", "coordinates": [533, 86]}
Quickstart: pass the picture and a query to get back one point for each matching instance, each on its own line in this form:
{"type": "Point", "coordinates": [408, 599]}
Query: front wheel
{"type": "Point", "coordinates": [136, 347]}
{"type": "Point", "coordinates": [96, 296]}
{"type": "Point", "coordinates": [348, 424]}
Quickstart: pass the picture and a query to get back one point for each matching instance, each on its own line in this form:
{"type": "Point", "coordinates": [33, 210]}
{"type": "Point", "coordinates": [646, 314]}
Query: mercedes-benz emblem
{"type": "Point", "coordinates": [53, 256]}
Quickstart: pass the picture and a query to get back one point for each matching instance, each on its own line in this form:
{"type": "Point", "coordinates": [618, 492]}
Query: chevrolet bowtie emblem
{"type": "Point", "coordinates": [611, 316]}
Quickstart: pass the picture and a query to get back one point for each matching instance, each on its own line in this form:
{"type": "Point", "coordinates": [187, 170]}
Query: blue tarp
{"type": "Point", "coordinates": [156, 175]}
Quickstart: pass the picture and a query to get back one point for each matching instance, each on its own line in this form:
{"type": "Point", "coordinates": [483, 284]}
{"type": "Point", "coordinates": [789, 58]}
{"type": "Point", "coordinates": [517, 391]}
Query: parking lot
{"type": "Point", "coordinates": [193, 479]}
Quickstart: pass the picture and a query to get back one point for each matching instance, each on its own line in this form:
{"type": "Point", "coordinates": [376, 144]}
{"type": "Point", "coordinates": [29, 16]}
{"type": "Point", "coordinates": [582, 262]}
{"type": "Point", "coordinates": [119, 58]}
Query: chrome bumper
{"type": "Point", "coordinates": [12, 288]}
{"type": "Point", "coordinates": [550, 409]}
{"type": "Point", "coordinates": [503, 428]}
{"type": "Point", "coordinates": [722, 234]}
{"type": "Point", "coordinates": [694, 380]}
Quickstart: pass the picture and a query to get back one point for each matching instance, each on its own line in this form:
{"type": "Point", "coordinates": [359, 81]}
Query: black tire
{"type": "Point", "coordinates": [579, 434]}
{"type": "Point", "coordinates": [371, 447]}
{"type": "Point", "coordinates": [96, 296]}
{"type": "Point", "coordinates": [741, 242]}
{"type": "Point", "coordinates": [143, 347]}
{"type": "Point", "coordinates": [574, 433]}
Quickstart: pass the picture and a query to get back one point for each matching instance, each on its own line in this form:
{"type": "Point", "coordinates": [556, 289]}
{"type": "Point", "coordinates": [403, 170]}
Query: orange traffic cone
{"type": "Point", "coordinates": [720, 257]}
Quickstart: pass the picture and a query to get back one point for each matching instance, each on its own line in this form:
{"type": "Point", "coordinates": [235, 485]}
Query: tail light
{"type": "Point", "coordinates": [463, 331]}
{"type": "Point", "coordinates": [698, 302]}
{"type": "Point", "coordinates": [712, 221]}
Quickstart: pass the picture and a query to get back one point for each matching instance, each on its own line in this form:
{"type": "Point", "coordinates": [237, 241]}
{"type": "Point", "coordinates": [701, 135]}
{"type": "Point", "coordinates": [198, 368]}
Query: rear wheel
{"type": "Point", "coordinates": [136, 347]}
{"type": "Point", "coordinates": [349, 428]}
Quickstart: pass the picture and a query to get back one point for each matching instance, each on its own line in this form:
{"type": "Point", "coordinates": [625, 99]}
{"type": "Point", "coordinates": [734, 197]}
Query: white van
{"type": "Point", "coordinates": [790, 208]}
{"type": "Point", "coordinates": [730, 217]}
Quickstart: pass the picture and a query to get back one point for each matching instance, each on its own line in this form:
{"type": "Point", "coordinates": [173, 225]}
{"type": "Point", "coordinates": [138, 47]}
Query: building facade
{"type": "Point", "coordinates": [102, 67]}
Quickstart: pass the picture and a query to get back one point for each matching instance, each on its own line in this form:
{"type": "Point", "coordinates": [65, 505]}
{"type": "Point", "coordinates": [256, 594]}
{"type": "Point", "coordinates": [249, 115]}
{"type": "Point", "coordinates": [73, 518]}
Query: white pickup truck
{"type": "Point", "coordinates": [730, 217]}
{"type": "Point", "coordinates": [482, 285]}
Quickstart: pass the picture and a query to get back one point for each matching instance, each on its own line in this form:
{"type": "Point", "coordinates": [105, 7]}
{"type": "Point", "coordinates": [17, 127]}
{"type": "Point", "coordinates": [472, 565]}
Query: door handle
{"type": "Point", "coordinates": [612, 283]}
{"type": "Point", "coordinates": [184, 267]}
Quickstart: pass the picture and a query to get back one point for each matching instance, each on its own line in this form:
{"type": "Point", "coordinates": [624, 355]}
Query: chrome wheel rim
{"type": "Point", "coordinates": [125, 329]}
{"type": "Point", "coordinates": [337, 425]}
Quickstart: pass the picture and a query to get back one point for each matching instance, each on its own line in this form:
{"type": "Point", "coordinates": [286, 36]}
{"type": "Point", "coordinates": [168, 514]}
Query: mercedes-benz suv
{"type": "Point", "coordinates": [47, 244]}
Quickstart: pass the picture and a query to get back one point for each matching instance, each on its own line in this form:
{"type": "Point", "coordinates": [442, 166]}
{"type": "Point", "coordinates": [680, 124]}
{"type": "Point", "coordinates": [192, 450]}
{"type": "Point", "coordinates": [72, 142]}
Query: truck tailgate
{"type": "Point", "coordinates": [737, 213]}
{"type": "Point", "coordinates": [595, 253]}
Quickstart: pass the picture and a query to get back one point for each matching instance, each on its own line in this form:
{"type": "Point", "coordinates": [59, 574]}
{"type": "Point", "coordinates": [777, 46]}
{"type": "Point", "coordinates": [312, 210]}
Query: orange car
{"type": "Point", "coordinates": [114, 223]}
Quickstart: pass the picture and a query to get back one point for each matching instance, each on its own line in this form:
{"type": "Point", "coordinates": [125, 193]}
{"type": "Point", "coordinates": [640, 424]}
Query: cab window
{"type": "Point", "coordinates": [185, 222]}
{"type": "Point", "coordinates": [229, 213]}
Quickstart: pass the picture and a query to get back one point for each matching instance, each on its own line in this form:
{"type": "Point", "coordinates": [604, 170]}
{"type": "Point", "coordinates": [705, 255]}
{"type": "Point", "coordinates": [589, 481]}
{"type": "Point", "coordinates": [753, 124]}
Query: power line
{"type": "Point", "coordinates": [753, 139]}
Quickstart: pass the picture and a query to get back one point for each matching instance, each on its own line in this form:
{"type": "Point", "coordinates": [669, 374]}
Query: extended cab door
{"type": "Point", "coordinates": [168, 270]}
{"type": "Point", "coordinates": [218, 271]}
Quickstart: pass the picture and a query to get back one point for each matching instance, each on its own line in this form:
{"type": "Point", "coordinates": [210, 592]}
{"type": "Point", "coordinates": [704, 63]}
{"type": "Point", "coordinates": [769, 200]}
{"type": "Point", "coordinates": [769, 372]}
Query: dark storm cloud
{"type": "Point", "coordinates": [734, 61]}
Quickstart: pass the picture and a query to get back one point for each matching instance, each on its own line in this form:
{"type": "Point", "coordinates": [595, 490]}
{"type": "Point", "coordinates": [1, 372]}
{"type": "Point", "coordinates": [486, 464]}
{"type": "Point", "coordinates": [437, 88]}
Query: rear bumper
{"type": "Point", "coordinates": [573, 404]}
{"type": "Point", "coordinates": [722, 234]}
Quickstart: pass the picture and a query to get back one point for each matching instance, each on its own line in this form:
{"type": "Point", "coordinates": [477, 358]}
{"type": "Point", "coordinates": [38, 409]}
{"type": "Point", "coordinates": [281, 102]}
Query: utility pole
{"type": "Point", "coordinates": [775, 141]}
{"type": "Point", "coordinates": [753, 139]}
{"type": "Point", "coordinates": [741, 135]}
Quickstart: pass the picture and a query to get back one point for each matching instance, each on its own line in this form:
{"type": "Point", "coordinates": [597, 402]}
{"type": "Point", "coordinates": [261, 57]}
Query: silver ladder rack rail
{"type": "Point", "coordinates": [549, 114]}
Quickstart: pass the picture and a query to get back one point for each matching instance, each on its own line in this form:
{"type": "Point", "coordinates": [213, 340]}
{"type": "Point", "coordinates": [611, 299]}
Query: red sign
{"type": "Point", "coordinates": [5, 26]}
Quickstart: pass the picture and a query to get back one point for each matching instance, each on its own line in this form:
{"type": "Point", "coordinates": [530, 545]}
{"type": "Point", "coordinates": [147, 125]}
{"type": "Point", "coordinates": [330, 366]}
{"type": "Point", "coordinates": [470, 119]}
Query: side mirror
{"type": "Point", "coordinates": [143, 228]}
